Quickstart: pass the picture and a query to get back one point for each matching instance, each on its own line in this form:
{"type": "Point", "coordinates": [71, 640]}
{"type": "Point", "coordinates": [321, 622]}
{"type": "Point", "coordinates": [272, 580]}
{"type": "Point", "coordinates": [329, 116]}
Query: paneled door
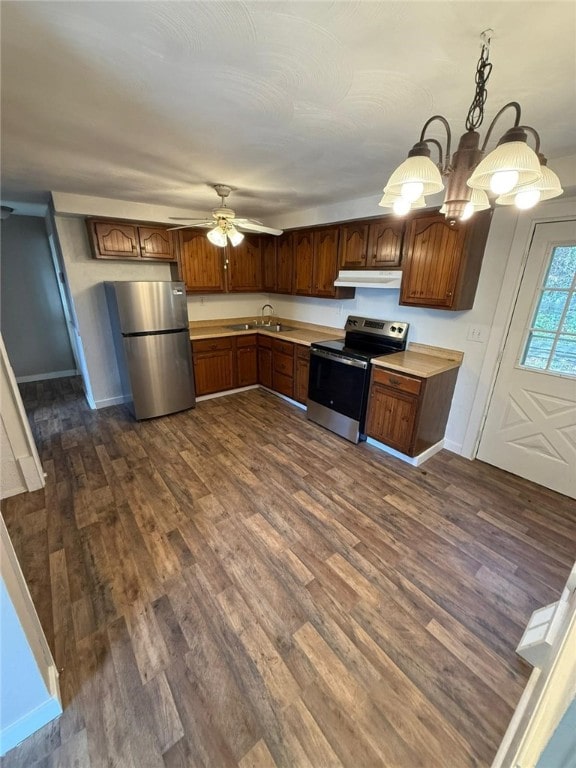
{"type": "Point", "coordinates": [530, 428]}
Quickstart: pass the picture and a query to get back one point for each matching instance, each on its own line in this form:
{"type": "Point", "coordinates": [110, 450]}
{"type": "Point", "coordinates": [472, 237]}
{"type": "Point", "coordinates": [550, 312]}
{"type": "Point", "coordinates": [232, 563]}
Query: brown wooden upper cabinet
{"type": "Point", "coordinates": [441, 262]}
{"type": "Point", "coordinates": [201, 263]}
{"type": "Point", "coordinates": [127, 240]}
{"type": "Point", "coordinates": [269, 263]}
{"type": "Point", "coordinates": [284, 263]}
{"type": "Point", "coordinates": [244, 265]}
{"type": "Point", "coordinates": [373, 244]}
{"type": "Point", "coordinates": [316, 263]}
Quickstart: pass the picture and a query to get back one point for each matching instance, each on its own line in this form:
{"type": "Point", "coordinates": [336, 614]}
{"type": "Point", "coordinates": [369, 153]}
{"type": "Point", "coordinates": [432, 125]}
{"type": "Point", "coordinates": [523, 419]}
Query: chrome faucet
{"type": "Point", "coordinates": [271, 308]}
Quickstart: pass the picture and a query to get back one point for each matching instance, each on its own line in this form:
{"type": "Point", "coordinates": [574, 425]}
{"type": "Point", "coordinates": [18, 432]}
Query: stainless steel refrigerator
{"type": "Point", "coordinates": [150, 329]}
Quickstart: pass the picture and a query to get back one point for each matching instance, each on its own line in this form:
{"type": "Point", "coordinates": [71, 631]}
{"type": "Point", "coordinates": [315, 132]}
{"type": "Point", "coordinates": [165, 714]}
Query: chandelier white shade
{"type": "Point", "coordinates": [510, 158]}
{"type": "Point", "coordinates": [217, 236]}
{"type": "Point", "coordinates": [234, 236]}
{"type": "Point", "coordinates": [547, 187]}
{"type": "Point", "coordinates": [513, 172]}
{"type": "Point", "coordinates": [417, 170]}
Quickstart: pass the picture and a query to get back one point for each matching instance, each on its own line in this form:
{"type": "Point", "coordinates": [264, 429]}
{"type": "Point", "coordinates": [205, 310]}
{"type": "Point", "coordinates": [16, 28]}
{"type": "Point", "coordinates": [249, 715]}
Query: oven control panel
{"type": "Point", "coordinates": [392, 329]}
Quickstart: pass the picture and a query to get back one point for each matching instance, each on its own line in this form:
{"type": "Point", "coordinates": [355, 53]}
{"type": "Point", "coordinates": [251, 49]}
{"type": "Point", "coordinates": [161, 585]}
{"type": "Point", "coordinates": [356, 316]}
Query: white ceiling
{"type": "Point", "coordinates": [296, 104]}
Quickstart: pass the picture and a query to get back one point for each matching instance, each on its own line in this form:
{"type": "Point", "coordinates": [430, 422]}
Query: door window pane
{"type": "Point", "coordinates": [562, 267]}
{"type": "Point", "coordinates": [551, 339]}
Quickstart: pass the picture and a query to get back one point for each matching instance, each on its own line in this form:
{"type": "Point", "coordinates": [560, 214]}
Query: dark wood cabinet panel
{"type": "Point", "coordinates": [245, 265]}
{"type": "Point", "coordinates": [113, 239]}
{"type": "Point", "coordinates": [246, 360]}
{"type": "Point", "coordinates": [301, 373]}
{"type": "Point", "coordinates": [371, 244]}
{"type": "Point", "coordinates": [269, 268]}
{"type": "Point", "coordinates": [385, 243]}
{"type": "Point", "coordinates": [353, 244]}
{"type": "Point", "coordinates": [201, 263]}
{"type": "Point", "coordinates": [283, 367]}
{"type": "Point", "coordinates": [391, 418]}
{"type": "Point", "coordinates": [285, 263]}
{"type": "Point", "coordinates": [441, 262]}
{"type": "Point", "coordinates": [155, 243]}
{"type": "Point", "coordinates": [409, 413]}
{"type": "Point", "coordinates": [303, 247]}
{"type": "Point", "coordinates": [325, 262]}
{"type": "Point", "coordinates": [265, 361]}
{"type": "Point", "coordinates": [213, 371]}
{"type": "Point", "coordinates": [129, 240]}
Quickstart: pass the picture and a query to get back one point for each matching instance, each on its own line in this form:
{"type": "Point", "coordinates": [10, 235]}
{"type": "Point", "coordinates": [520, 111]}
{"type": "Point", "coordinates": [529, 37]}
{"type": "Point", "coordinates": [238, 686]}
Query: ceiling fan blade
{"type": "Point", "coordinates": [252, 226]}
{"type": "Point", "coordinates": [205, 220]}
{"type": "Point", "coordinates": [194, 225]}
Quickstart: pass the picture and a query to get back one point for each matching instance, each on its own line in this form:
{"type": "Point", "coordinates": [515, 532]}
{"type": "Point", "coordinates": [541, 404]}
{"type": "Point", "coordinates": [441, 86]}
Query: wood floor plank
{"type": "Point", "coordinates": [233, 586]}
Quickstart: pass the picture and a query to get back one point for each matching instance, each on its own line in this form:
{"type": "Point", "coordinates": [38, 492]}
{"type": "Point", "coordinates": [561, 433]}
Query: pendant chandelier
{"type": "Point", "coordinates": [224, 231]}
{"type": "Point", "coordinates": [513, 172]}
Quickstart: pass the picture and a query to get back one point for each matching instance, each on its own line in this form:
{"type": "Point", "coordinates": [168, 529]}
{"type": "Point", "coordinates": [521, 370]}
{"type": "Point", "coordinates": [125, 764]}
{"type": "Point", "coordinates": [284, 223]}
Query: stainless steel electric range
{"type": "Point", "coordinates": [340, 373]}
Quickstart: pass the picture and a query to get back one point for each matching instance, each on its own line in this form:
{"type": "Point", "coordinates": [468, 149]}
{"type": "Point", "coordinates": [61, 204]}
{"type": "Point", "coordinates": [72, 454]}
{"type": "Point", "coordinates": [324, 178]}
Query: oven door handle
{"type": "Point", "coordinates": [339, 358]}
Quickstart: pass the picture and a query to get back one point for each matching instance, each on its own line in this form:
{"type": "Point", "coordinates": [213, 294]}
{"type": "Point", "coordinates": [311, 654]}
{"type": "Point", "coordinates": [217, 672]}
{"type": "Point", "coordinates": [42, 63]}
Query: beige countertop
{"type": "Point", "coordinates": [302, 333]}
{"type": "Point", "coordinates": [418, 360]}
{"type": "Point", "coordinates": [421, 360]}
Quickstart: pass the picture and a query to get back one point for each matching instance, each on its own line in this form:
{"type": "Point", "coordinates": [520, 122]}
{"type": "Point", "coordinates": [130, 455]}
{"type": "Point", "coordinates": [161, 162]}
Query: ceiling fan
{"type": "Point", "coordinates": [224, 226]}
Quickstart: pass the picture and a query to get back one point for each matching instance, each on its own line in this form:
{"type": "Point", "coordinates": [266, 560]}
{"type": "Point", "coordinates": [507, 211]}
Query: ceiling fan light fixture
{"type": "Point", "coordinates": [234, 235]}
{"type": "Point", "coordinates": [217, 236]}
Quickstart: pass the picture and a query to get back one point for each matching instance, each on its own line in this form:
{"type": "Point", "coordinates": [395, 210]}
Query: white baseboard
{"type": "Point", "coordinates": [225, 392]}
{"type": "Point", "coordinates": [455, 447]}
{"type": "Point", "coordinates": [109, 401]}
{"type": "Point", "coordinates": [415, 461]}
{"type": "Point", "coordinates": [285, 397]}
{"type": "Point", "coordinates": [42, 376]}
{"type": "Point", "coordinates": [15, 733]}
{"type": "Point", "coordinates": [29, 471]}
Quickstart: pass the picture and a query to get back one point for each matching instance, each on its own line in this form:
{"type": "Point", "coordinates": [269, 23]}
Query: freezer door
{"type": "Point", "coordinates": [150, 306]}
{"type": "Point", "coordinates": [160, 372]}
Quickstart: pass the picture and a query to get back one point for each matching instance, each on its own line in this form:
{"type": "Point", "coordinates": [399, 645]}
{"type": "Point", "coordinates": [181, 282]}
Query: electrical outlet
{"type": "Point", "coordinates": [477, 333]}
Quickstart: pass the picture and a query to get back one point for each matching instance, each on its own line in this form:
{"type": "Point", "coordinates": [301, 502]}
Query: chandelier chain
{"type": "Point", "coordinates": [484, 68]}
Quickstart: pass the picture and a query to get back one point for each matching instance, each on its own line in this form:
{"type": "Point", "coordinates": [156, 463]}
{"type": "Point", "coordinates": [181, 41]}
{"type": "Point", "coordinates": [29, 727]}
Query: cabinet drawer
{"type": "Point", "coordinates": [302, 352]}
{"type": "Point", "coordinates": [396, 381]}
{"type": "Point", "coordinates": [283, 384]}
{"type": "Point", "coordinates": [283, 364]}
{"type": "Point", "coordinates": [285, 347]}
{"type": "Point", "coordinates": [264, 341]}
{"type": "Point", "coordinates": [246, 341]}
{"type": "Point", "coordinates": [211, 345]}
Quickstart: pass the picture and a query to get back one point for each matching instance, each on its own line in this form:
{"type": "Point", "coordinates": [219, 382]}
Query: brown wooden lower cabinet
{"type": "Point", "coordinates": [265, 361]}
{"type": "Point", "coordinates": [228, 362]}
{"type": "Point", "coordinates": [409, 413]}
{"type": "Point", "coordinates": [283, 367]}
{"type": "Point", "coordinates": [214, 365]}
{"type": "Point", "coordinates": [301, 373]}
{"type": "Point", "coordinates": [247, 360]}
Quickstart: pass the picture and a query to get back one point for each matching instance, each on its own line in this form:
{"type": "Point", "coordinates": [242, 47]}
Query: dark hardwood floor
{"type": "Point", "coordinates": [235, 586]}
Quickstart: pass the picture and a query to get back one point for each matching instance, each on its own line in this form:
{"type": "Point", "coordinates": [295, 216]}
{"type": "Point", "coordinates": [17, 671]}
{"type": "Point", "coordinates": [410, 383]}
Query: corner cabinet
{"type": "Point", "coordinates": [371, 244]}
{"type": "Point", "coordinates": [441, 262]}
{"type": "Point", "coordinates": [111, 239]}
{"type": "Point", "coordinates": [409, 413]}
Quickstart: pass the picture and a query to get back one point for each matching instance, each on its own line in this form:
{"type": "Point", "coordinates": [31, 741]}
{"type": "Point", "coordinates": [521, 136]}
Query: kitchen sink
{"type": "Point", "coordinates": [242, 327]}
{"type": "Point", "coordinates": [277, 327]}
{"type": "Point", "coordinates": [274, 327]}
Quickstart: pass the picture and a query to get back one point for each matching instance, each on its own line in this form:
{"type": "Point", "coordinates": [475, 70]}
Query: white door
{"type": "Point", "coordinates": [530, 428]}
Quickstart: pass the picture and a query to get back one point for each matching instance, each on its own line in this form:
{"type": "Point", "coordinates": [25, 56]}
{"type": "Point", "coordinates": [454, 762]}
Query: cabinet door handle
{"type": "Point", "coordinates": [448, 293]}
{"type": "Point", "coordinates": [394, 381]}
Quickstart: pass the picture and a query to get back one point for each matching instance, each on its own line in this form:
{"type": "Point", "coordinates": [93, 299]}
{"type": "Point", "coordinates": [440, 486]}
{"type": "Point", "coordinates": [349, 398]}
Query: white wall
{"type": "Point", "coordinates": [33, 321]}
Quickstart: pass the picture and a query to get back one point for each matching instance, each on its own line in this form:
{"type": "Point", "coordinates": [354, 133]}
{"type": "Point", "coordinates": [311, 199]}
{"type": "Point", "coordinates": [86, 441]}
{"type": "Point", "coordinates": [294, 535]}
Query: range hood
{"type": "Point", "coordinates": [369, 278]}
